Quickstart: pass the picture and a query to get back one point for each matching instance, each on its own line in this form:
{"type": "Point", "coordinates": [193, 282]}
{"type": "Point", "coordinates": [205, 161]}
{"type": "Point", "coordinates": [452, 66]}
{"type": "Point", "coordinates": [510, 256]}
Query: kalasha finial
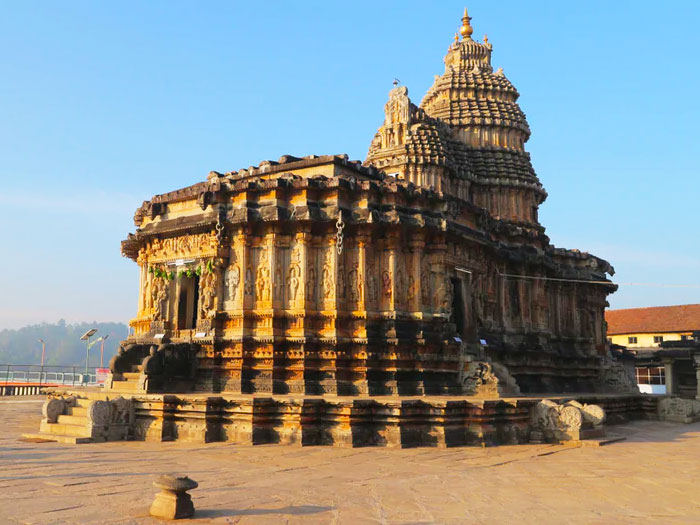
{"type": "Point", "coordinates": [466, 30]}
{"type": "Point", "coordinates": [456, 37]}
{"type": "Point", "coordinates": [486, 38]}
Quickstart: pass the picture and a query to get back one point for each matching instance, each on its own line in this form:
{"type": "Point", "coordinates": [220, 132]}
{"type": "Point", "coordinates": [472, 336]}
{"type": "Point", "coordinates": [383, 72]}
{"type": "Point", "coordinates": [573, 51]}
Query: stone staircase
{"type": "Point", "coordinates": [145, 367]}
{"type": "Point", "coordinates": [71, 426]}
{"type": "Point", "coordinates": [90, 419]}
{"type": "Point", "coordinates": [128, 381]}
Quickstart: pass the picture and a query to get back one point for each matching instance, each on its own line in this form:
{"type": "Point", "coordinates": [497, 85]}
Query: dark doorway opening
{"type": "Point", "coordinates": [187, 302]}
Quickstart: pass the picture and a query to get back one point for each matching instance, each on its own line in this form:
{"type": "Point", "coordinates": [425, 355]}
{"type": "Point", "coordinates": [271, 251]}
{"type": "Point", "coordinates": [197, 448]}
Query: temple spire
{"type": "Point", "coordinates": [466, 30]}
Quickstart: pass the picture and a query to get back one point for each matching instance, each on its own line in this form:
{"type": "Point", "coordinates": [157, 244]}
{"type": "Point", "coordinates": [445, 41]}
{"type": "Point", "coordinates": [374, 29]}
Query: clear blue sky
{"type": "Point", "coordinates": [104, 104]}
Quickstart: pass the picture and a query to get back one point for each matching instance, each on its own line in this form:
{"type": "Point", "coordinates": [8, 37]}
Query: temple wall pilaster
{"type": "Point", "coordinates": [417, 247]}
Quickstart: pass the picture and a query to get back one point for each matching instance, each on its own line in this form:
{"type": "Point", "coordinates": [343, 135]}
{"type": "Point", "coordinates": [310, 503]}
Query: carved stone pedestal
{"type": "Point", "coordinates": [173, 502]}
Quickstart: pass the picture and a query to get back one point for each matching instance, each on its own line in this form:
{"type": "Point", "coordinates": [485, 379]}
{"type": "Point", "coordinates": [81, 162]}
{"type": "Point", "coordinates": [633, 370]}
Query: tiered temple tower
{"type": "Point", "coordinates": [467, 138]}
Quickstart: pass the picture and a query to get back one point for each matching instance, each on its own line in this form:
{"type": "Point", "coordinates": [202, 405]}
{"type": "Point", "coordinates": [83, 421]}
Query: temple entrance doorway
{"type": "Point", "coordinates": [188, 298]}
{"type": "Point", "coordinates": [458, 308]}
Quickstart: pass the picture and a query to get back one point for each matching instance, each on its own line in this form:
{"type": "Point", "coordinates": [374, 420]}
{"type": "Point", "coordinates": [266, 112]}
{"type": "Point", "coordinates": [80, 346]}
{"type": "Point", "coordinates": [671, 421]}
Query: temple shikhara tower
{"type": "Point", "coordinates": [365, 298]}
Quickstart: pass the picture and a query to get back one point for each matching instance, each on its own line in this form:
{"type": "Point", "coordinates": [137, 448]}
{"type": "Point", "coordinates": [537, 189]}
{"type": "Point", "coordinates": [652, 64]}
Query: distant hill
{"type": "Point", "coordinates": [63, 344]}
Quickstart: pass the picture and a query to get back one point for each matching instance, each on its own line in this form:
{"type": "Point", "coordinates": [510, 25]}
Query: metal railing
{"type": "Point", "coordinates": [45, 375]}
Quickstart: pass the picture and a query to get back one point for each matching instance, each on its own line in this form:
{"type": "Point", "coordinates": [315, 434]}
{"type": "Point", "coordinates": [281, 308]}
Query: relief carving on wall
{"type": "Point", "coordinates": [184, 246]}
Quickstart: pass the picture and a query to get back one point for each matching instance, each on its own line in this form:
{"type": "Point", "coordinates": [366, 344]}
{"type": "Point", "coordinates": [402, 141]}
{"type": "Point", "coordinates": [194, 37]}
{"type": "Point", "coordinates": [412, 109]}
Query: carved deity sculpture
{"type": "Point", "coordinates": [371, 285]}
{"type": "Point", "coordinates": [293, 281]}
{"type": "Point", "coordinates": [449, 296]}
{"type": "Point", "coordinates": [159, 294]}
{"type": "Point", "coordinates": [233, 280]}
{"type": "Point", "coordinates": [147, 297]}
{"type": "Point", "coordinates": [207, 291]}
{"type": "Point", "coordinates": [386, 284]}
{"type": "Point", "coordinates": [355, 283]}
{"type": "Point", "coordinates": [262, 278]}
{"type": "Point", "coordinates": [278, 281]}
{"type": "Point", "coordinates": [411, 292]}
{"type": "Point", "coordinates": [440, 292]}
{"type": "Point", "coordinates": [248, 283]}
{"type": "Point", "coordinates": [400, 285]}
{"type": "Point", "coordinates": [262, 283]}
{"type": "Point", "coordinates": [328, 280]}
{"type": "Point", "coordinates": [311, 285]}
{"type": "Point", "coordinates": [342, 284]}
{"type": "Point", "coordinates": [425, 283]}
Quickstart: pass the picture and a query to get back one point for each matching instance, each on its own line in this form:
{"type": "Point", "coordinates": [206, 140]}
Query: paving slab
{"type": "Point", "coordinates": [651, 475]}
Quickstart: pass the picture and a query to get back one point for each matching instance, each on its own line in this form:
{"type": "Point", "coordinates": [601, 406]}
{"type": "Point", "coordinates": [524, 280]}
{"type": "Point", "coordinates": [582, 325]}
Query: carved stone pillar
{"type": "Point", "coordinates": [389, 283]}
{"type": "Point", "coordinates": [238, 263]}
{"type": "Point", "coordinates": [143, 278]}
{"type": "Point", "coordinates": [328, 276]}
{"type": "Point", "coordinates": [249, 266]}
{"type": "Point", "coordinates": [314, 273]}
{"type": "Point", "coordinates": [525, 303]}
{"type": "Point", "coordinates": [362, 240]}
{"type": "Point", "coordinates": [696, 364]}
{"type": "Point", "coordinates": [263, 275]}
{"type": "Point", "coordinates": [298, 271]}
{"type": "Point", "coordinates": [502, 287]}
{"type": "Point", "coordinates": [671, 387]}
{"type": "Point", "coordinates": [277, 267]}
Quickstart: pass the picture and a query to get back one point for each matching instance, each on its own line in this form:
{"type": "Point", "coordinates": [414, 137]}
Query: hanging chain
{"type": "Point", "coordinates": [339, 236]}
{"type": "Point", "coordinates": [220, 225]}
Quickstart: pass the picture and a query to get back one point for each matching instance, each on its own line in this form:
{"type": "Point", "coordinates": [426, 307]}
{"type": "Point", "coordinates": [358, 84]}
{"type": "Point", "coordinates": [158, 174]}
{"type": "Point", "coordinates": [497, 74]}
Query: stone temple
{"type": "Point", "coordinates": [396, 300]}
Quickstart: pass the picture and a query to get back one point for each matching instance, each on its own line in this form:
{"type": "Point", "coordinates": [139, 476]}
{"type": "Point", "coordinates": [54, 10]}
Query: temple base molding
{"type": "Point", "coordinates": [437, 421]}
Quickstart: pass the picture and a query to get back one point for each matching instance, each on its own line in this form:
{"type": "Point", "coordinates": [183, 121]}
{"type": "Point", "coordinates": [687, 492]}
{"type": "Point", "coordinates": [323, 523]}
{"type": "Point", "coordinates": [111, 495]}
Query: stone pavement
{"type": "Point", "coordinates": [653, 476]}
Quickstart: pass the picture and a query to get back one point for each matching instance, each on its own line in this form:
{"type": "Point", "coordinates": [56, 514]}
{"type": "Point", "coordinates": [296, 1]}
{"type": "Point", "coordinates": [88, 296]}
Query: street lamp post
{"type": "Point", "coordinates": [86, 337]}
{"type": "Point", "coordinates": [43, 351]}
{"type": "Point", "coordinates": [102, 350]}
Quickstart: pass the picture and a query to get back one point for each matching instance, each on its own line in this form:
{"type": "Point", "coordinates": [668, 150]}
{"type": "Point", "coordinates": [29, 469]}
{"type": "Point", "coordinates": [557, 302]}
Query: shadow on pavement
{"type": "Point", "coordinates": [298, 510]}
